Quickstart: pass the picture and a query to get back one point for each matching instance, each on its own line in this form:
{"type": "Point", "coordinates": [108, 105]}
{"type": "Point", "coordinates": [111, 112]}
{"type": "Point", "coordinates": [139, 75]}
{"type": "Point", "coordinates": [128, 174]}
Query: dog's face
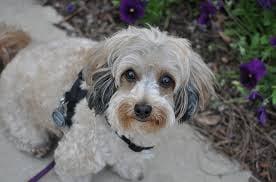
{"type": "Point", "coordinates": [144, 80]}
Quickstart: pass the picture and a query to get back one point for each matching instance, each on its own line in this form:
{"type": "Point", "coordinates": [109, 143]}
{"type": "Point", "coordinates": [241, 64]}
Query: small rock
{"type": "Point", "coordinates": [224, 60]}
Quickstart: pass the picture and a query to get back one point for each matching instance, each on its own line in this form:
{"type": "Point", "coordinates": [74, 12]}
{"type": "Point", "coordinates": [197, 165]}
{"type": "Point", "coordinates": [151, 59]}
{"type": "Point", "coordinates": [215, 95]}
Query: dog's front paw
{"type": "Point", "coordinates": [41, 150]}
{"type": "Point", "coordinates": [139, 176]}
{"type": "Point", "coordinates": [133, 173]}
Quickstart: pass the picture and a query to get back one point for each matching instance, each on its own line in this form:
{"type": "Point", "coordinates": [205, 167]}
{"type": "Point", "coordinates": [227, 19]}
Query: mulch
{"type": "Point", "coordinates": [237, 134]}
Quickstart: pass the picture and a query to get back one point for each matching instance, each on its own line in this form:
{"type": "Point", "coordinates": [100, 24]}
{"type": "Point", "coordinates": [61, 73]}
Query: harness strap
{"type": "Point", "coordinates": [72, 97]}
{"type": "Point", "coordinates": [62, 115]}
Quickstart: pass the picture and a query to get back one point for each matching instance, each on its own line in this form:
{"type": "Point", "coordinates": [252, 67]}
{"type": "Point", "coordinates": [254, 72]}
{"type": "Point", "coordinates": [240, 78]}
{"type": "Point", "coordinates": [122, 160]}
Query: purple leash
{"type": "Point", "coordinates": [43, 172]}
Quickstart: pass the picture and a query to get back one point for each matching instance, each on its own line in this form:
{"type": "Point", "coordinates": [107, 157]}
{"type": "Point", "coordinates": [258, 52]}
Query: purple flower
{"type": "Point", "coordinates": [131, 10]}
{"type": "Point", "coordinates": [70, 7]}
{"type": "Point", "coordinates": [251, 73]}
{"type": "Point", "coordinates": [203, 19]}
{"type": "Point", "coordinates": [207, 9]}
{"type": "Point", "coordinates": [266, 4]}
{"type": "Point", "coordinates": [272, 41]}
{"type": "Point", "coordinates": [254, 96]}
{"type": "Point", "coordinates": [261, 115]}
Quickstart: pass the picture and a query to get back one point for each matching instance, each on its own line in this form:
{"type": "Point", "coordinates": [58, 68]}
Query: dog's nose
{"type": "Point", "coordinates": [142, 110]}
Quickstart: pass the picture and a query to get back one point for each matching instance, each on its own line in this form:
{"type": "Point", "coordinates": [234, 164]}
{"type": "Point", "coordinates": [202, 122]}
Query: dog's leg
{"type": "Point", "coordinates": [78, 153]}
{"type": "Point", "coordinates": [69, 178]}
{"type": "Point", "coordinates": [131, 169]}
{"type": "Point", "coordinates": [28, 138]}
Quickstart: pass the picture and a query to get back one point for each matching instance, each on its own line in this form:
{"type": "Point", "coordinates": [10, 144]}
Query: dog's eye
{"type": "Point", "coordinates": [130, 75]}
{"type": "Point", "coordinates": [166, 81]}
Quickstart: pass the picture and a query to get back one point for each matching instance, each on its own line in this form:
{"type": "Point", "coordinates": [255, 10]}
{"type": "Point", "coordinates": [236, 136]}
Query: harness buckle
{"type": "Point", "coordinates": [59, 114]}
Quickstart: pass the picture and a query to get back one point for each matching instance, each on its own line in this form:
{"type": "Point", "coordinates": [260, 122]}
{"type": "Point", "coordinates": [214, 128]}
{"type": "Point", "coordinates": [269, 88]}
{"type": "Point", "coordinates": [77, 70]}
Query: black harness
{"type": "Point", "coordinates": [62, 115]}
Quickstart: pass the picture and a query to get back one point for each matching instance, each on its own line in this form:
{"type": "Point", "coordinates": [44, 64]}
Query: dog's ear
{"type": "Point", "coordinates": [99, 79]}
{"type": "Point", "coordinates": [193, 95]}
{"type": "Point", "coordinates": [186, 102]}
{"type": "Point", "coordinates": [96, 59]}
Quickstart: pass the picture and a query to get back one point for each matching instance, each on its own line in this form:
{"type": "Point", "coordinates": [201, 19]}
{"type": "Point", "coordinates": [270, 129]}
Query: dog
{"type": "Point", "coordinates": [107, 102]}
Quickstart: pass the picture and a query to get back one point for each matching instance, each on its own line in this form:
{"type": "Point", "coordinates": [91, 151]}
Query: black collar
{"type": "Point", "coordinates": [131, 145]}
{"type": "Point", "coordinates": [62, 115]}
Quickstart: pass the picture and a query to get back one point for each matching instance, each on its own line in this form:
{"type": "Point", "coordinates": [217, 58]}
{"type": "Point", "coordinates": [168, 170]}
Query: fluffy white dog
{"type": "Point", "coordinates": [111, 100]}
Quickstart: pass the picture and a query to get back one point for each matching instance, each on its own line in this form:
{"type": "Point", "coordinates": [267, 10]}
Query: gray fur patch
{"type": "Point", "coordinates": [184, 110]}
{"type": "Point", "coordinates": [102, 90]}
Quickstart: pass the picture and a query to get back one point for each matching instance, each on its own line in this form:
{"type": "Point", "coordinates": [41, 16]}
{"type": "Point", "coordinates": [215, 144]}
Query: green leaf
{"type": "Point", "coordinates": [255, 40]}
{"type": "Point", "coordinates": [116, 3]}
{"type": "Point", "coordinates": [264, 40]}
{"type": "Point", "coordinates": [272, 69]}
{"type": "Point", "coordinates": [238, 11]}
{"type": "Point", "coordinates": [239, 87]}
{"type": "Point", "coordinates": [273, 96]}
{"type": "Point", "coordinates": [265, 54]}
{"type": "Point", "coordinates": [242, 50]}
{"type": "Point", "coordinates": [267, 18]}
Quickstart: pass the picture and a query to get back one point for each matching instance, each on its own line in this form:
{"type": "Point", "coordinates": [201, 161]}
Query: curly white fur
{"type": "Point", "coordinates": [32, 84]}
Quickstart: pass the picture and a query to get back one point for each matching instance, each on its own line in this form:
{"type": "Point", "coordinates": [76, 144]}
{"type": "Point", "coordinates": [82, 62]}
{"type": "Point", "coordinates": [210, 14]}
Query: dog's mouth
{"type": "Point", "coordinates": [144, 120]}
{"type": "Point", "coordinates": [148, 125]}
